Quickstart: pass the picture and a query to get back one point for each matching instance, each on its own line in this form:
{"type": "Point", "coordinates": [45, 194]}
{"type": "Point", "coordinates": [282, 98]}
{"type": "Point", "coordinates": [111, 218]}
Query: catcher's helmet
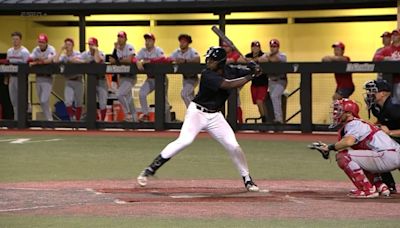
{"type": "Point", "coordinates": [217, 54]}
{"type": "Point", "coordinates": [372, 87]}
{"type": "Point", "coordinates": [341, 107]}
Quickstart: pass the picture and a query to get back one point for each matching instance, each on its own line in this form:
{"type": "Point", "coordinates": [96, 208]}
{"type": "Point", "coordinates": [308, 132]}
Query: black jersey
{"type": "Point", "coordinates": [261, 80]}
{"type": "Point", "coordinates": [211, 95]}
{"type": "Point", "coordinates": [388, 115]}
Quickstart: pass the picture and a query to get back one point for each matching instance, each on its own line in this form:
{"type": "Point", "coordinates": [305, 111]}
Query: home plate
{"type": "Point", "coordinates": [264, 190]}
{"type": "Point", "coordinates": [117, 201]}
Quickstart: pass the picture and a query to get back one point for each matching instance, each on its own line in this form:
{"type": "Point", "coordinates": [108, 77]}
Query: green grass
{"type": "Point", "coordinates": [99, 222]}
{"type": "Point", "coordinates": [107, 157]}
{"type": "Point", "coordinates": [95, 157]}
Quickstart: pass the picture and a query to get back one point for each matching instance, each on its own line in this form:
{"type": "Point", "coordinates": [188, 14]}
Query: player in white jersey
{"type": "Point", "coordinates": [365, 151]}
{"type": "Point", "coordinates": [44, 54]}
{"type": "Point", "coordinates": [186, 54]}
{"type": "Point", "coordinates": [146, 55]}
{"type": "Point", "coordinates": [94, 55]}
{"type": "Point", "coordinates": [16, 54]}
{"type": "Point", "coordinates": [73, 91]}
{"type": "Point", "coordinates": [123, 54]}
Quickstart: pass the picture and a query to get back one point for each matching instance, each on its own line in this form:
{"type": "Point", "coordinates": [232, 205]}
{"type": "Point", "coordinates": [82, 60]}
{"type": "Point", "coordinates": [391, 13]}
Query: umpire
{"type": "Point", "coordinates": [380, 103]}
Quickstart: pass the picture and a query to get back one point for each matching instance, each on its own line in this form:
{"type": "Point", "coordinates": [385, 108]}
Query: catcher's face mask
{"type": "Point", "coordinates": [371, 90]}
{"type": "Point", "coordinates": [336, 114]}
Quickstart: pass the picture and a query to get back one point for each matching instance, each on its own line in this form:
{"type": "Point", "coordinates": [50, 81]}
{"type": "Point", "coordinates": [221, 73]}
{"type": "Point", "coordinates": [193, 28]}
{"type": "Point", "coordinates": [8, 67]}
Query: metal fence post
{"type": "Point", "coordinates": [306, 102]}
{"type": "Point", "coordinates": [160, 102]}
{"type": "Point", "coordinates": [22, 82]}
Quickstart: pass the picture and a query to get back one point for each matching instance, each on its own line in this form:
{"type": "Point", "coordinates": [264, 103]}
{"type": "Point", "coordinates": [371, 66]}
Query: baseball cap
{"type": "Point", "coordinates": [386, 34]}
{"type": "Point", "coordinates": [395, 32]}
{"type": "Point", "coordinates": [93, 41]}
{"type": "Point", "coordinates": [339, 44]}
{"type": "Point", "coordinates": [186, 37]}
{"type": "Point", "coordinates": [255, 43]}
{"type": "Point", "coordinates": [70, 40]}
{"type": "Point", "coordinates": [274, 43]}
{"type": "Point", "coordinates": [149, 36]}
{"type": "Point", "coordinates": [122, 34]}
{"type": "Point", "coordinates": [383, 85]}
{"type": "Point", "coordinates": [43, 38]}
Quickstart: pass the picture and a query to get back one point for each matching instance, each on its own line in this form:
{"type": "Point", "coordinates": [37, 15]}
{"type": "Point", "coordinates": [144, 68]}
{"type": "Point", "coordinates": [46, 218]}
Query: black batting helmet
{"type": "Point", "coordinates": [217, 54]}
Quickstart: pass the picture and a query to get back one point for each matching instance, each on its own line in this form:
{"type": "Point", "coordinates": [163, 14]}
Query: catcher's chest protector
{"type": "Point", "coordinates": [364, 144]}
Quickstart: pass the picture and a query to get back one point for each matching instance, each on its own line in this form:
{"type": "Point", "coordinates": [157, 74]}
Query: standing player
{"type": "Point", "coordinates": [232, 57]}
{"type": "Point", "coordinates": [344, 82]}
{"type": "Point", "coordinates": [146, 55]}
{"type": "Point", "coordinates": [186, 54]}
{"type": "Point", "coordinates": [123, 54]}
{"type": "Point", "coordinates": [73, 91]}
{"type": "Point", "coordinates": [16, 54]}
{"type": "Point", "coordinates": [276, 82]}
{"type": "Point", "coordinates": [94, 55]}
{"type": "Point", "coordinates": [392, 53]}
{"type": "Point", "coordinates": [381, 104]}
{"type": "Point", "coordinates": [259, 85]}
{"type": "Point", "coordinates": [364, 150]}
{"type": "Point", "coordinates": [386, 41]}
{"type": "Point", "coordinates": [204, 113]}
{"type": "Point", "coordinates": [44, 54]}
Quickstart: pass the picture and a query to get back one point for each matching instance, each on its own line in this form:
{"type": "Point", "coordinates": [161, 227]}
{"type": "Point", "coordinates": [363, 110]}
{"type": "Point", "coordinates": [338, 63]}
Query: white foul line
{"type": "Point", "coordinates": [26, 208]}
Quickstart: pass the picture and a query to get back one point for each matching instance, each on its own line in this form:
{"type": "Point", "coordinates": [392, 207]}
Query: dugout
{"type": "Point", "coordinates": [282, 19]}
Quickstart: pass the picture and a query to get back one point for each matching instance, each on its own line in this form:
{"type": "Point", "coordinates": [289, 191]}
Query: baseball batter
{"type": "Point", "coordinates": [145, 55]}
{"type": "Point", "coordinates": [123, 54]}
{"type": "Point", "coordinates": [186, 54]}
{"type": "Point", "coordinates": [94, 55]}
{"type": "Point", "coordinates": [16, 54]}
{"type": "Point", "coordinates": [204, 113]}
{"type": "Point", "coordinates": [73, 91]}
{"type": "Point", "coordinates": [44, 54]}
{"type": "Point", "coordinates": [364, 150]}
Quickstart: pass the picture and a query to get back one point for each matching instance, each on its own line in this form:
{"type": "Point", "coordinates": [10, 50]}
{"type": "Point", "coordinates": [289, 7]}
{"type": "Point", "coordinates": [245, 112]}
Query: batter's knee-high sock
{"type": "Point", "coordinates": [103, 114]}
{"type": "Point", "coordinates": [70, 112]}
{"type": "Point", "coordinates": [155, 165]}
{"type": "Point", "coordinates": [78, 113]}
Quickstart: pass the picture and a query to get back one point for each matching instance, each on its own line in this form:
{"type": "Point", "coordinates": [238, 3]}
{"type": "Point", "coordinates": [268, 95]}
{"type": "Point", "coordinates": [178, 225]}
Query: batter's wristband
{"type": "Point", "coordinates": [331, 147]}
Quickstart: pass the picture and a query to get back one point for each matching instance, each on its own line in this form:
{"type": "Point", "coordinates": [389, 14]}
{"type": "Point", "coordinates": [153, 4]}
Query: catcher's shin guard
{"type": "Point", "coordinates": [356, 174]}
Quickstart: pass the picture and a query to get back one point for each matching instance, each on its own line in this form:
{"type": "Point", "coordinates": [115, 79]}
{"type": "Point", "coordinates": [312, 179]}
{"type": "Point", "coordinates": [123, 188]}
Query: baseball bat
{"type": "Point", "coordinates": [225, 39]}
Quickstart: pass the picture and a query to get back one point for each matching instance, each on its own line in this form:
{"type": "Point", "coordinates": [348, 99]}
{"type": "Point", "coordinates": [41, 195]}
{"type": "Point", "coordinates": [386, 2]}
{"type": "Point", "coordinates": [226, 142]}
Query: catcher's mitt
{"type": "Point", "coordinates": [321, 147]}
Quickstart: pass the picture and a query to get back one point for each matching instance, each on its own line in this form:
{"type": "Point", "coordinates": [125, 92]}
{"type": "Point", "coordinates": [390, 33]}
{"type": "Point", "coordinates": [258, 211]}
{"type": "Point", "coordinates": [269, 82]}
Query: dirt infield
{"type": "Point", "coordinates": [193, 199]}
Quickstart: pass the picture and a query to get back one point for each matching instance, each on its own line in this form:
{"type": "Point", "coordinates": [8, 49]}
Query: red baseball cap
{"type": "Point", "coordinates": [386, 34]}
{"type": "Point", "coordinates": [149, 36]}
{"type": "Point", "coordinates": [256, 43]}
{"type": "Point", "coordinates": [93, 41]}
{"type": "Point", "coordinates": [339, 44]}
{"type": "Point", "coordinates": [274, 43]}
{"type": "Point", "coordinates": [122, 34]}
{"type": "Point", "coordinates": [69, 40]}
{"type": "Point", "coordinates": [42, 38]}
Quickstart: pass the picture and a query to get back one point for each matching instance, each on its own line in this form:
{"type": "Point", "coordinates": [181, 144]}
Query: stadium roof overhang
{"type": "Point", "coordinates": [87, 7]}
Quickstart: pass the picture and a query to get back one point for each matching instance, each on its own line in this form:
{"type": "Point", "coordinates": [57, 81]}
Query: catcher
{"type": "Point", "coordinates": [364, 151]}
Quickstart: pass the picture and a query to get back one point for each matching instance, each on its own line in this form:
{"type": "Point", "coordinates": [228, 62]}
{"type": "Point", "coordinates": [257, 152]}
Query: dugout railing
{"type": "Point", "coordinates": [305, 69]}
